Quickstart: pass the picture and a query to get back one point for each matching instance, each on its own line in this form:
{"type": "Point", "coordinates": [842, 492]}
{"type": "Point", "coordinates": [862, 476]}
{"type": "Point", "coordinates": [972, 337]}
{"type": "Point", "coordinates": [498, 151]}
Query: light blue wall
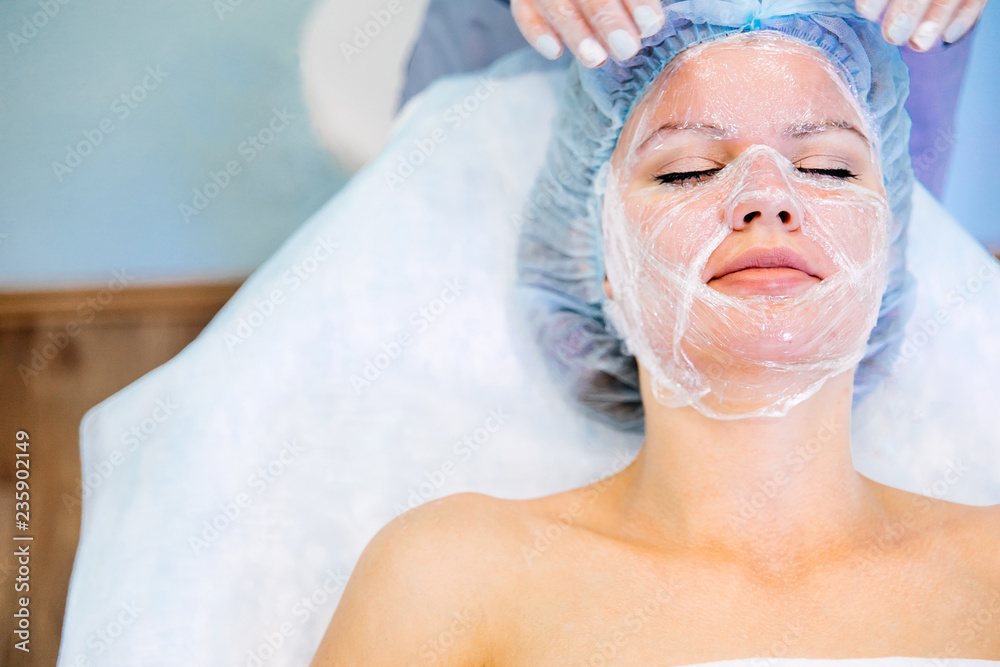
{"type": "Point", "coordinates": [973, 186]}
{"type": "Point", "coordinates": [220, 77]}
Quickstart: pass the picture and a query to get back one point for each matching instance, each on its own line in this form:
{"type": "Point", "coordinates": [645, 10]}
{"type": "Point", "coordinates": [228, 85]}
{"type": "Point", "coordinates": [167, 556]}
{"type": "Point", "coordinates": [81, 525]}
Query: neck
{"type": "Point", "coordinates": [759, 488]}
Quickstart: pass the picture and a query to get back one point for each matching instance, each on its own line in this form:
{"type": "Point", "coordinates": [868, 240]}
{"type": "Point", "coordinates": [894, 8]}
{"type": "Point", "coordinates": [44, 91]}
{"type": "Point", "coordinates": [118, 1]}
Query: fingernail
{"type": "Point", "coordinates": [900, 29]}
{"type": "Point", "coordinates": [622, 44]}
{"type": "Point", "coordinates": [872, 9]}
{"type": "Point", "coordinates": [926, 35]}
{"type": "Point", "coordinates": [592, 54]}
{"type": "Point", "coordinates": [646, 20]}
{"type": "Point", "coordinates": [548, 46]}
{"type": "Point", "coordinates": [957, 28]}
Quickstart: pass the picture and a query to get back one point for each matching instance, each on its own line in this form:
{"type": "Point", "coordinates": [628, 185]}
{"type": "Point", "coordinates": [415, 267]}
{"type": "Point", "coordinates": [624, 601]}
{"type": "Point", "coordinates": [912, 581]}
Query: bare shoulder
{"type": "Point", "coordinates": [968, 532]}
{"type": "Point", "coordinates": [429, 588]}
{"type": "Point", "coordinates": [970, 535]}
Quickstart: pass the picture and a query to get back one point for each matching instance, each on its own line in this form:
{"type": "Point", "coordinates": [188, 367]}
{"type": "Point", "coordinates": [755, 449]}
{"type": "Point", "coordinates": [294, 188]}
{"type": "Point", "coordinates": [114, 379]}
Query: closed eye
{"type": "Point", "coordinates": [693, 177]}
{"type": "Point", "coordinates": [842, 174]}
{"type": "Point", "coordinates": [687, 177]}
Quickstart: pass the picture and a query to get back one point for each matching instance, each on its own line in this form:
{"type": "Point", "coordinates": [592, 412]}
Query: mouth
{"type": "Point", "coordinates": [777, 271]}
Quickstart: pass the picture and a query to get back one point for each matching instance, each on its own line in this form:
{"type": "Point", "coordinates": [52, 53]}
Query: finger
{"type": "Point", "coordinates": [613, 25]}
{"type": "Point", "coordinates": [871, 9]}
{"type": "Point", "coordinates": [575, 31]}
{"type": "Point", "coordinates": [901, 18]}
{"type": "Point", "coordinates": [647, 15]}
{"type": "Point", "coordinates": [535, 28]}
{"type": "Point", "coordinates": [965, 17]}
{"type": "Point", "coordinates": [929, 28]}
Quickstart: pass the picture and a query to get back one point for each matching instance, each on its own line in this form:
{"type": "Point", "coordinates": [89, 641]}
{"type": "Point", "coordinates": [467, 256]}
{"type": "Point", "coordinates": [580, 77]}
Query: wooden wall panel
{"type": "Point", "coordinates": [132, 332]}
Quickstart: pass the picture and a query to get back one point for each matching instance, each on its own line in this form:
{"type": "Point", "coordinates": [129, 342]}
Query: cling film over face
{"type": "Point", "coordinates": [745, 227]}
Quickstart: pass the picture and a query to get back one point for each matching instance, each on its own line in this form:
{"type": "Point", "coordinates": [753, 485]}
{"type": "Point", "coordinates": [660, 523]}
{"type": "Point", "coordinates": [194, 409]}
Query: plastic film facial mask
{"type": "Point", "coordinates": [745, 228]}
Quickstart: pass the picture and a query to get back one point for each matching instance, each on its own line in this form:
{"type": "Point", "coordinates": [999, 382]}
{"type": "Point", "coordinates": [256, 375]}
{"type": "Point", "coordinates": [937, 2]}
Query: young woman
{"type": "Point", "coordinates": [752, 210]}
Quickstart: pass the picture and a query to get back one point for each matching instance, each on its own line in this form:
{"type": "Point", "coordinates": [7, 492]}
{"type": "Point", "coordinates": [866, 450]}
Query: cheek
{"type": "Point", "coordinates": [851, 228]}
{"type": "Point", "coordinates": [673, 228]}
{"type": "Point", "coordinates": [873, 182]}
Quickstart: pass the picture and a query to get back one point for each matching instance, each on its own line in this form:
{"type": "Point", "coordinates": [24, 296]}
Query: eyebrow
{"type": "Point", "coordinates": [712, 131]}
{"type": "Point", "coordinates": [805, 129]}
{"type": "Point", "coordinates": [793, 131]}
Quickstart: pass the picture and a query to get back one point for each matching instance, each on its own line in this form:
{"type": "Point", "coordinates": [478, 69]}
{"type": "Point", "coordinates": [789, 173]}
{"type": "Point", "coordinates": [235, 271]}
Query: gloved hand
{"type": "Point", "coordinates": [590, 28]}
{"type": "Point", "coordinates": [594, 28]}
{"type": "Point", "coordinates": [921, 23]}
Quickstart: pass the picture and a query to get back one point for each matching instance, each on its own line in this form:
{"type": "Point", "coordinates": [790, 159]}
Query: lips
{"type": "Point", "coordinates": [779, 257]}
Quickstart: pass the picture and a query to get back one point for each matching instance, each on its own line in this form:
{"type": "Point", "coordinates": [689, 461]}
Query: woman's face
{"type": "Point", "coordinates": [703, 112]}
{"type": "Point", "coordinates": [745, 226]}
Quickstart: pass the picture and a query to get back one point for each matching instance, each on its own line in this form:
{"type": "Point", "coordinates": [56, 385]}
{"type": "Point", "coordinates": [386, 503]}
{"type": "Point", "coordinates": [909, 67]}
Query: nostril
{"type": "Point", "coordinates": [750, 216]}
{"type": "Point", "coordinates": [784, 216]}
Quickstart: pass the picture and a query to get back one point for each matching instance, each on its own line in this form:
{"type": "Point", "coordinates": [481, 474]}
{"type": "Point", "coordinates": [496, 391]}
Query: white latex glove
{"type": "Point", "coordinates": [593, 29]}
{"type": "Point", "coordinates": [922, 23]}
{"type": "Point", "coordinates": [590, 28]}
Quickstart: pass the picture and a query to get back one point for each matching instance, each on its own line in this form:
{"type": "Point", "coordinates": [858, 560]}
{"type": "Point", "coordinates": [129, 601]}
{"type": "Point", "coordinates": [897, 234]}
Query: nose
{"type": "Point", "coordinates": [765, 198]}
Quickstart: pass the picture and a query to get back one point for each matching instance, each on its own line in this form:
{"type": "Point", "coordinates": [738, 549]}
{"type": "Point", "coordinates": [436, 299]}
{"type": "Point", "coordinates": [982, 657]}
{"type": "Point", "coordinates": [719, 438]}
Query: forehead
{"type": "Point", "coordinates": [747, 86]}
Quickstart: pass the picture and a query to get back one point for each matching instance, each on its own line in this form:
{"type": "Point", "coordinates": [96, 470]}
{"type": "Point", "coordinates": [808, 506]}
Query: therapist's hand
{"type": "Point", "coordinates": [592, 29]}
{"type": "Point", "coordinates": [922, 24]}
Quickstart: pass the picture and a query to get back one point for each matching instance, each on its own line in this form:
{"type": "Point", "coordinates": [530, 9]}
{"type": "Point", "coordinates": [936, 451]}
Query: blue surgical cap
{"type": "Point", "coordinates": [560, 250]}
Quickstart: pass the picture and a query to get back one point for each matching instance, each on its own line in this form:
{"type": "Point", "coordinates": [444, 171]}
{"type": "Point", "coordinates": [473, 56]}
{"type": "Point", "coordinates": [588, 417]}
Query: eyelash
{"type": "Point", "coordinates": [684, 177]}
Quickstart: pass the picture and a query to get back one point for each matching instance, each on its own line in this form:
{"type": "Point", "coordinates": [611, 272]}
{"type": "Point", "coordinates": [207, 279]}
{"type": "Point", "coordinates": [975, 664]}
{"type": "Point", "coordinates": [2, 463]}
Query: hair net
{"type": "Point", "coordinates": [561, 255]}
